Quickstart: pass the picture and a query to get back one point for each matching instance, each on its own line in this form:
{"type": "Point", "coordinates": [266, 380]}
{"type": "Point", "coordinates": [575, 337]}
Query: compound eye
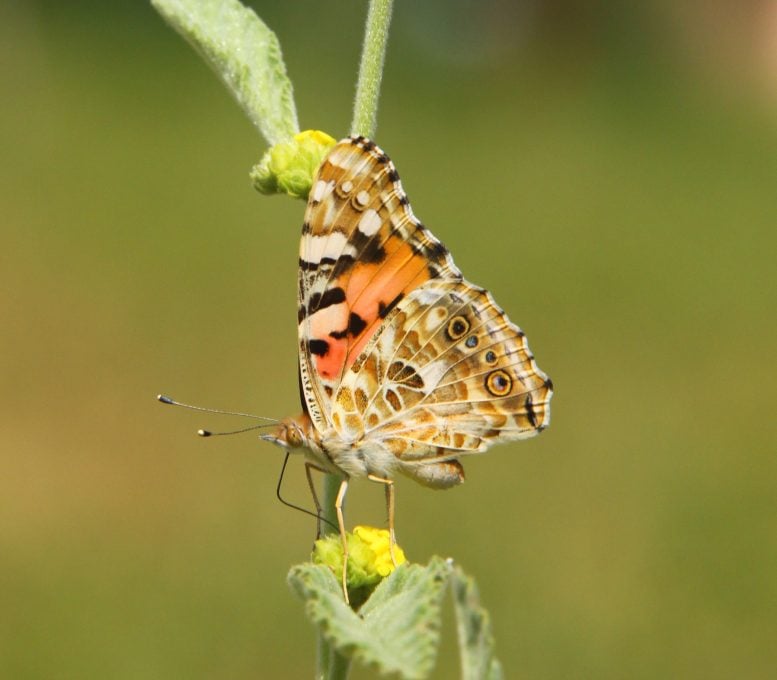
{"type": "Point", "coordinates": [293, 436]}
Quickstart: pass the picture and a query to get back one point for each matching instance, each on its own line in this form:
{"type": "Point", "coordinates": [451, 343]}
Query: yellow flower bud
{"type": "Point", "coordinates": [289, 167]}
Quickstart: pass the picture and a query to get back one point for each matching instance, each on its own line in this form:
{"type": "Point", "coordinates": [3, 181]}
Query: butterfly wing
{"type": "Point", "coordinates": [362, 251]}
{"type": "Point", "coordinates": [398, 353]}
{"type": "Point", "coordinates": [447, 374]}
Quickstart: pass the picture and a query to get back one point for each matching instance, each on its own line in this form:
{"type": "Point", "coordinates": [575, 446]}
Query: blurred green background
{"type": "Point", "coordinates": [607, 171]}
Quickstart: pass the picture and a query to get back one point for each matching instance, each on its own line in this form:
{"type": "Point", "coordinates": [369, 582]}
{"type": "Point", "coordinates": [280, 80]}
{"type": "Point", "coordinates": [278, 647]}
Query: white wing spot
{"type": "Point", "coordinates": [370, 223]}
{"type": "Point", "coordinates": [315, 248]}
{"type": "Point", "coordinates": [363, 198]}
{"type": "Point", "coordinates": [434, 318]}
{"type": "Point", "coordinates": [432, 373]}
{"type": "Point", "coordinates": [321, 190]}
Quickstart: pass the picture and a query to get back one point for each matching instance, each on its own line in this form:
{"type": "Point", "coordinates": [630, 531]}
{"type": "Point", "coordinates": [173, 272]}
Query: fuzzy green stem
{"type": "Point", "coordinates": [324, 653]}
{"type": "Point", "coordinates": [331, 665]}
{"type": "Point", "coordinates": [338, 666]}
{"type": "Point", "coordinates": [331, 487]}
{"type": "Point", "coordinates": [365, 109]}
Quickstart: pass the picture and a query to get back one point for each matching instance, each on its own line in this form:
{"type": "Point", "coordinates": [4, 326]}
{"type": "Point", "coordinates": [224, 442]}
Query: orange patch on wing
{"type": "Point", "coordinates": [330, 365]}
{"type": "Point", "coordinates": [322, 323]}
{"type": "Point", "coordinates": [371, 285]}
{"type": "Point", "coordinates": [367, 286]}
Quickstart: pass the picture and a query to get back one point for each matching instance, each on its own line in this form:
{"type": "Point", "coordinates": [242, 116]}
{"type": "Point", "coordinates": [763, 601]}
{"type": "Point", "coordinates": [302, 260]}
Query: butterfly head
{"type": "Point", "coordinates": [292, 433]}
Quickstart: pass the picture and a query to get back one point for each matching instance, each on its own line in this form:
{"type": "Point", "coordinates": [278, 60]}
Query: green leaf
{"type": "Point", "coordinates": [398, 628]}
{"type": "Point", "coordinates": [245, 54]}
{"type": "Point", "coordinates": [476, 640]}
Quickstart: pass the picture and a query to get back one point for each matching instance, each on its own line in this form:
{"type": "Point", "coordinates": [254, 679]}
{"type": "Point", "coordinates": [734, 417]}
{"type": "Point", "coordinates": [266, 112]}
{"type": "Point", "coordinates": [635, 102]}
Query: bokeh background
{"type": "Point", "coordinates": [608, 170]}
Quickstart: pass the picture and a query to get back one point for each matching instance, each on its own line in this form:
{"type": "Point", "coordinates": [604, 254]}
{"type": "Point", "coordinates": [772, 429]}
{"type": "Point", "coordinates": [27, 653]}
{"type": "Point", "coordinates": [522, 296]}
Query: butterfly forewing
{"type": "Point", "coordinates": [361, 252]}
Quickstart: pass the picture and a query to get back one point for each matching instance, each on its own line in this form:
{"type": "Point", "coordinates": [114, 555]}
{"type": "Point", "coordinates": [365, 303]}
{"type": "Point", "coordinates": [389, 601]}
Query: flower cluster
{"type": "Point", "coordinates": [369, 559]}
{"type": "Point", "coordinates": [289, 167]}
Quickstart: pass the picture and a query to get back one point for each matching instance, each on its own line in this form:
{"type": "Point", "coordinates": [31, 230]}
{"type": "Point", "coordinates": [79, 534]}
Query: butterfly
{"type": "Point", "coordinates": [404, 366]}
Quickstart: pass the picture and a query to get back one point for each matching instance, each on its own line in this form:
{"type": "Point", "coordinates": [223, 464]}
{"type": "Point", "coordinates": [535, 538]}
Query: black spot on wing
{"type": "Point", "coordinates": [374, 253]}
{"type": "Point", "coordinates": [355, 326]}
{"type": "Point", "coordinates": [530, 414]}
{"type": "Point", "coordinates": [333, 296]}
{"type": "Point", "coordinates": [369, 248]}
{"type": "Point", "coordinates": [436, 252]}
{"type": "Point", "coordinates": [318, 347]}
{"type": "Point", "coordinates": [302, 392]}
{"type": "Point", "coordinates": [406, 374]}
{"type": "Point", "coordinates": [343, 264]}
{"type": "Point", "coordinates": [423, 243]}
{"type": "Point", "coordinates": [306, 266]}
{"type": "Point", "coordinates": [384, 309]}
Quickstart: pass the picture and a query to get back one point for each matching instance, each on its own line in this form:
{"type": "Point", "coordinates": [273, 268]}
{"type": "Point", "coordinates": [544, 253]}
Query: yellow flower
{"type": "Point", "coordinates": [379, 542]}
{"type": "Point", "coordinates": [315, 137]}
{"type": "Point", "coordinates": [369, 559]}
{"type": "Point", "coordinates": [289, 167]}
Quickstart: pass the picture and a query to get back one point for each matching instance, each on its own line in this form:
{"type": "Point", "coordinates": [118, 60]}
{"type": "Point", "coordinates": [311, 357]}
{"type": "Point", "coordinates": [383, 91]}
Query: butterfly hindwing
{"type": "Point", "coordinates": [447, 374]}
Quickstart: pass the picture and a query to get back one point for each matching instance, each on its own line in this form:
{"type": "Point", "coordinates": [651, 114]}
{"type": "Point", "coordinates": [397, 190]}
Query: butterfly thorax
{"type": "Point", "coordinates": [330, 450]}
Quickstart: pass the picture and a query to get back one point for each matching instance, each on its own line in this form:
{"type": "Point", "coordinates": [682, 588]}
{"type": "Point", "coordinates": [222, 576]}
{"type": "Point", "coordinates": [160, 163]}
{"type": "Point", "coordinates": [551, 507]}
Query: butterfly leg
{"type": "Point", "coordinates": [341, 524]}
{"type": "Point", "coordinates": [389, 485]}
{"type": "Point", "coordinates": [308, 467]}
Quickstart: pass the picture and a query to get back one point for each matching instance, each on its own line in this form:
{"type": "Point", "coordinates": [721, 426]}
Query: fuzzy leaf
{"type": "Point", "coordinates": [398, 628]}
{"type": "Point", "coordinates": [245, 54]}
{"type": "Point", "coordinates": [476, 640]}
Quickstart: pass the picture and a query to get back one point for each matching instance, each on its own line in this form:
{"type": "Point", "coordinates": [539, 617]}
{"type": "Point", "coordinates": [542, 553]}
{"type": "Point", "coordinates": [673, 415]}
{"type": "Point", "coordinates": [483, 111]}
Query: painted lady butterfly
{"type": "Point", "coordinates": [404, 366]}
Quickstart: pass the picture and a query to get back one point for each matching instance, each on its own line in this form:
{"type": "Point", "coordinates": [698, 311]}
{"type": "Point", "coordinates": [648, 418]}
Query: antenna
{"type": "Point", "coordinates": [208, 433]}
{"type": "Point", "coordinates": [270, 422]}
{"type": "Point", "coordinates": [169, 400]}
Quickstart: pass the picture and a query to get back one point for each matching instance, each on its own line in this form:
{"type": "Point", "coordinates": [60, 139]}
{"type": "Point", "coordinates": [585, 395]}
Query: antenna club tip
{"type": "Point", "coordinates": [164, 399]}
{"type": "Point", "coordinates": [204, 433]}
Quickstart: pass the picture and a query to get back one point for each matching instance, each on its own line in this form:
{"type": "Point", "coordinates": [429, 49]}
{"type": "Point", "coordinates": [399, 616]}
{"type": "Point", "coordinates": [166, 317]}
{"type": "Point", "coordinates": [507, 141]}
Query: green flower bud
{"type": "Point", "coordinates": [289, 167]}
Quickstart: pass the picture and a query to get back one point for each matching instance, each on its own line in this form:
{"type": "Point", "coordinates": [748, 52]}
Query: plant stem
{"type": "Point", "coordinates": [365, 108]}
{"type": "Point", "coordinates": [338, 667]}
{"type": "Point", "coordinates": [331, 665]}
{"type": "Point", "coordinates": [326, 654]}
